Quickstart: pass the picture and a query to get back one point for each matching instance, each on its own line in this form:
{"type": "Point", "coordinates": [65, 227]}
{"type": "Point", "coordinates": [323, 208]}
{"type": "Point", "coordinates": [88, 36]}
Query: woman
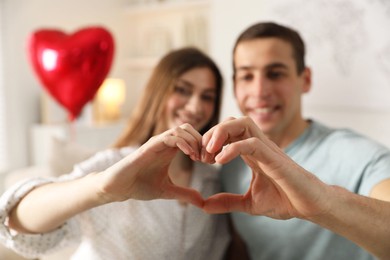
{"type": "Point", "coordinates": [102, 202]}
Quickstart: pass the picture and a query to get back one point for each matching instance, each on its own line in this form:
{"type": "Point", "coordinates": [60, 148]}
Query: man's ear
{"type": "Point", "coordinates": [306, 77]}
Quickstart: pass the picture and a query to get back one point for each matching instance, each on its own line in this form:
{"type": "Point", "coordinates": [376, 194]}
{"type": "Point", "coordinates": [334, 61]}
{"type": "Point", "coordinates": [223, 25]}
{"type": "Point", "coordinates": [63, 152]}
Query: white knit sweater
{"type": "Point", "coordinates": [158, 229]}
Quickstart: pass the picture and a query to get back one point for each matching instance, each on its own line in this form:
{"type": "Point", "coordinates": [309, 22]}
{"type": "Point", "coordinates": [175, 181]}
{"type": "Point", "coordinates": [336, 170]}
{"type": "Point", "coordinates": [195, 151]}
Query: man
{"type": "Point", "coordinates": [324, 214]}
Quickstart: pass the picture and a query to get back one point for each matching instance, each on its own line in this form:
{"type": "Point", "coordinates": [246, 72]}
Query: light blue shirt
{"type": "Point", "coordinates": [338, 157]}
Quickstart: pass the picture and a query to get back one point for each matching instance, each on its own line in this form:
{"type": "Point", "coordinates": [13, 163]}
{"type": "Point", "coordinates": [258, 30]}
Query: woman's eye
{"type": "Point", "coordinates": [182, 90]}
{"type": "Point", "coordinates": [208, 98]}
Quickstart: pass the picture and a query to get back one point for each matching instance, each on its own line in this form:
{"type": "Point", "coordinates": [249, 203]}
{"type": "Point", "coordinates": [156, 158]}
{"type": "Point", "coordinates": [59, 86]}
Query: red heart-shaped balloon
{"type": "Point", "coordinates": [72, 67]}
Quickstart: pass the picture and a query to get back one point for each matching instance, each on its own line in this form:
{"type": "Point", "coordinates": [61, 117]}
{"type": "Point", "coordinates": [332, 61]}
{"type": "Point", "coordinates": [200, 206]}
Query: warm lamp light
{"type": "Point", "coordinates": [109, 98]}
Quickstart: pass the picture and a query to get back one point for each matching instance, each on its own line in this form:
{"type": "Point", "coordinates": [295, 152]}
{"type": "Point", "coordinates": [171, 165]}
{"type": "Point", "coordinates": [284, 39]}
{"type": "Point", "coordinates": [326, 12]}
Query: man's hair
{"type": "Point", "coordinates": [269, 30]}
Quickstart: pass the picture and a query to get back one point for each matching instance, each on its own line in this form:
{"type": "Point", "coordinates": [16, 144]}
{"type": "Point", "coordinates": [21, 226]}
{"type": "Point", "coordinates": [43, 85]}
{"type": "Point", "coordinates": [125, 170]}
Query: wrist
{"type": "Point", "coordinates": [92, 184]}
{"type": "Point", "coordinates": [329, 208]}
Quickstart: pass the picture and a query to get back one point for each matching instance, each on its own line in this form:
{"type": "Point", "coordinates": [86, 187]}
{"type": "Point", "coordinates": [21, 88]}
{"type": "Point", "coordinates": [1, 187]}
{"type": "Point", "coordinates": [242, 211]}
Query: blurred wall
{"type": "Point", "coordinates": [22, 89]}
{"type": "Point", "coordinates": [348, 49]}
{"type": "Point", "coordinates": [347, 40]}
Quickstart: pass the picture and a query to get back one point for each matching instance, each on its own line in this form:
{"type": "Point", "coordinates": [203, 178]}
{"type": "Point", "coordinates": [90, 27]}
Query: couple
{"type": "Point", "coordinates": [112, 202]}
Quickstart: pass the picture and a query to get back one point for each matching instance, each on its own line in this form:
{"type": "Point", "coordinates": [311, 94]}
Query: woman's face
{"type": "Point", "coordinates": [193, 99]}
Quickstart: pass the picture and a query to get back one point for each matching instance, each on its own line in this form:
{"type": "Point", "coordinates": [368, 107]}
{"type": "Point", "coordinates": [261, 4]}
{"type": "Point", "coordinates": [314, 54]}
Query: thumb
{"type": "Point", "coordinates": [185, 194]}
{"type": "Point", "coordinates": [224, 203]}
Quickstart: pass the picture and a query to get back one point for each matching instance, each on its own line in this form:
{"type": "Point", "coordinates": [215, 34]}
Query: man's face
{"type": "Point", "coordinates": [267, 85]}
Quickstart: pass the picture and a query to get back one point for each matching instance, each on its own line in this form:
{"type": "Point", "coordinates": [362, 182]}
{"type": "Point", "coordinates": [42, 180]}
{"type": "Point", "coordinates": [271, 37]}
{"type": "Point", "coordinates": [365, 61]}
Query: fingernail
{"type": "Point", "coordinates": [196, 155]}
{"type": "Point", "coordinates": [186, 149]}
{"type": "Point", "coordinates": [218, 156]}
{"type": "Point", "coordinates": [202, 153]}
{"type": "Point", "coordinates": [210, 145]}
{"type": "Point", "coordinates": [203, 141]}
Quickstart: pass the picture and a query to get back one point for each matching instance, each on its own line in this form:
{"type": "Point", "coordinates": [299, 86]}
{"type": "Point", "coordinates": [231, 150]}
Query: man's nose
{"type": "Point", "coordinates": [262, 87]}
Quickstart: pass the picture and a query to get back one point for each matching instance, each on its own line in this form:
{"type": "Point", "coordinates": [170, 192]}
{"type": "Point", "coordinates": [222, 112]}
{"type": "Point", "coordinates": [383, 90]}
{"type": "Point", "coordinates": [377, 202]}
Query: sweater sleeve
{"type": "Point", "coordinates": [37, 245]}
{"type": "Point", "coordinates": [32, 245]}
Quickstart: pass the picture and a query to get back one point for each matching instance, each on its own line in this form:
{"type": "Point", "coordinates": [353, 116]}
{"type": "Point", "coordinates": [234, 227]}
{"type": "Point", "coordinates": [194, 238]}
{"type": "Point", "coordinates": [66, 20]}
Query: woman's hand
{"type": "Point", "coordinates": [143, 175]}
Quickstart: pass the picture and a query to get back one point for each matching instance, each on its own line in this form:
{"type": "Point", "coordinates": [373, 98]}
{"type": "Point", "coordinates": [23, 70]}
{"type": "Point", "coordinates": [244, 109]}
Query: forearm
{"type": "Point", "coordinates": [49, 206]}
{"type": "Point", "coordinates": [142, 175]}
{"type": "Point", "coordinates": [361, 219]}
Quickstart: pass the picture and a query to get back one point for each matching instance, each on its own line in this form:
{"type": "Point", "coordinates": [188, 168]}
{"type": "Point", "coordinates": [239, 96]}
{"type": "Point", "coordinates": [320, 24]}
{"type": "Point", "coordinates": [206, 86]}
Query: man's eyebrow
{"type": "Point", "coordinates": [245, 68]}
{"type": "Point", "coordinates": [274, 65]}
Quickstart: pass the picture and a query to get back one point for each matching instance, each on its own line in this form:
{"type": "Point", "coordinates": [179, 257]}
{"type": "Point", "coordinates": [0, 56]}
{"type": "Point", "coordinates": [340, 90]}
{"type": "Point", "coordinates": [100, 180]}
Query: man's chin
{"type": "Point", "coordinates": [260, 123]}
{"type": "Point", "coordinates": [265, 127]}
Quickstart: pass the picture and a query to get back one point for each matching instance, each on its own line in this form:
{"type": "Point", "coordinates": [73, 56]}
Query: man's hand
{"type": "Point", "coordinates": [279, 188]}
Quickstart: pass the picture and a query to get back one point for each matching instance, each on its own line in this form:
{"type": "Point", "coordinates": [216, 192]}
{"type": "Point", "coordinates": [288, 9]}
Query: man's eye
{"type": "Point", "coordinates": [274, 74]}
{"type": "Point", "coordinates": [245, 77]}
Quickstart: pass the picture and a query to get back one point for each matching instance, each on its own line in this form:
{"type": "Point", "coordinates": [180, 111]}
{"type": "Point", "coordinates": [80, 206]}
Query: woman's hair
{"type": "Point", "coordinates": [273, 30]}
{"type": "Point", "coordinates": [145, 119]}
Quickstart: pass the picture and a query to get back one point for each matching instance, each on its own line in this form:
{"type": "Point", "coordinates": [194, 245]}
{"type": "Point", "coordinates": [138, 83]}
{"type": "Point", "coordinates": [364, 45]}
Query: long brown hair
{"type": "Point", "coordinates": [142, 124]}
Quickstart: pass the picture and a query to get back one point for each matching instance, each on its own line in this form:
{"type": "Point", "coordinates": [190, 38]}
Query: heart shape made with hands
{"type": "Point", "coordinates": [265, 195]}
{"type": "Point", "coordinates": [279, 188]}
{"type": "Point", "coordinates": [261, 197]}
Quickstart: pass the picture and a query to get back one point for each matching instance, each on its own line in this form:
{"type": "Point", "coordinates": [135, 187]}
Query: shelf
{"type": "Point", "coordinates": [157, 27]}
{"type": "Point", "coordinates": [91, 137]}
{"type": "Point", "coordinates": [142, 62]}
{"type": "Point", "coordinates": [158, 8]}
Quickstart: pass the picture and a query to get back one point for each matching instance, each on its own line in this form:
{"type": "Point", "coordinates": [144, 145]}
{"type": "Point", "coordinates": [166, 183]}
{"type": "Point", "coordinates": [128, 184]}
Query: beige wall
{"type": "Point", "coordinates": [348, 51]}
{"type": "Point", "coordinates": [20, 19]}
{"type": "Point", "coordinates": [358, 101]}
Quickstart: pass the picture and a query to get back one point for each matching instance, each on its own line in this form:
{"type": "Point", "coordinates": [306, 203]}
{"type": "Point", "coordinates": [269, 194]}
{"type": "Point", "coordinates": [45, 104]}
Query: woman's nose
{"type": "Point", "coordinates": [194, 104]}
